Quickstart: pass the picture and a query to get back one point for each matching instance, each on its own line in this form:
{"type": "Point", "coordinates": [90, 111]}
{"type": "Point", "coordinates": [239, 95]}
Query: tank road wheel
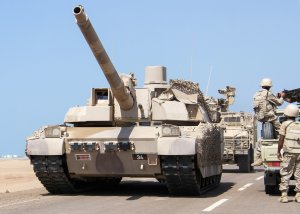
{"type": "Point", "coordinates": [183, 176]}
{"type": "Point", "coordinates": [53, 174]}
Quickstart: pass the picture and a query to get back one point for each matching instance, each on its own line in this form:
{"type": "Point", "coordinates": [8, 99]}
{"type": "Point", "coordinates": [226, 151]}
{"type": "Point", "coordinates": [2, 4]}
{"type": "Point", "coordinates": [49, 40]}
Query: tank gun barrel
{"type": "Point", "coordinates": [121, 93]}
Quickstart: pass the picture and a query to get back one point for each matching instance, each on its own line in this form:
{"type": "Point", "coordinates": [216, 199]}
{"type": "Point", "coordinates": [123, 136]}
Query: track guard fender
{"type": "Point", "coordinates": [176, 146]}
{"type": "Point", "coordinates": [46, 146]}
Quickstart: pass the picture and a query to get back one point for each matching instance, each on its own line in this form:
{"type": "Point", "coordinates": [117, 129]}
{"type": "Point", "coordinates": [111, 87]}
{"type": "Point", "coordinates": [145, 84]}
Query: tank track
{"type": "Point", "coordinates": [183, 176]}
{"type": "Point", "coordinates": [53, 174]}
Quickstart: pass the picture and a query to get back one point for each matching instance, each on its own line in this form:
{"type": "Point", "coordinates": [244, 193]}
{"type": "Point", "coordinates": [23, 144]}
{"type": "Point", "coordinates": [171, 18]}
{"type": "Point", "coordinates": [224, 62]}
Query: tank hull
{"type": "Point", "coordinates": [93, 153]}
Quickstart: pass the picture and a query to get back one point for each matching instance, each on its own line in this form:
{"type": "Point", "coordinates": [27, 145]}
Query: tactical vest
{"type": "Point", "coordinates": [292, 138]}
{"type": "Point", "coordinates": [260, 102]}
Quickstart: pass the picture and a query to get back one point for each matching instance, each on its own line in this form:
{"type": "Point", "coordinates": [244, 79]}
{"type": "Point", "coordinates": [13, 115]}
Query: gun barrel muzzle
{"type": "Point", "coordinates": [120, 92]}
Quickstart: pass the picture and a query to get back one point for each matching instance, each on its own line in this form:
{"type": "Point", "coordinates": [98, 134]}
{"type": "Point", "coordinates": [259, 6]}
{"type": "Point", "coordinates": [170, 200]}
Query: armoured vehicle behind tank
{"type": "Point", "coordinates": [240, 137]}
{"type": "Point", "coordinates": [163, 130]}
{"type": "Point", "coordinates": [240, 130]}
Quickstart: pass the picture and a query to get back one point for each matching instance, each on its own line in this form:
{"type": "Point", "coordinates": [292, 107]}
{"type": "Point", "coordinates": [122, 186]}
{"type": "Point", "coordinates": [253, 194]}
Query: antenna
{"type": "Point", "coordinates": [191, 68]}
{"type": "Point", "coordinates": [208, 82]}
{"type": "Point", "coordinates": [193, 45]}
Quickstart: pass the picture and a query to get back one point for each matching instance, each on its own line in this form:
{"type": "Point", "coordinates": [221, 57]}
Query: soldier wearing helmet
{"type": "Point", "coordinates": [289, 141]}
{"type": "Point", "coordinates": [265, 104]}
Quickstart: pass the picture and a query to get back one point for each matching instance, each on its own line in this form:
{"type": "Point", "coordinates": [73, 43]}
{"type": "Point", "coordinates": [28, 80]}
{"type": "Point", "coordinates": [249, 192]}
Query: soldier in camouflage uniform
{"type": "Point", "coordinates": [264, 105]}
{"type": "Point", "coordinates": [289, 141]}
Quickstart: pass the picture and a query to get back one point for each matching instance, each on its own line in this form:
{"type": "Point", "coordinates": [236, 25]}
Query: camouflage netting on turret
{"type": "Point", "coordinates": [209, 139]}
{"type": "Point", "coordinates": [189, 87]}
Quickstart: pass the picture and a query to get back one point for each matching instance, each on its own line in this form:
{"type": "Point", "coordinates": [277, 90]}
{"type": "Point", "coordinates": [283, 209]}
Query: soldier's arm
{"type": "Point", "coordinates": [282, 133]}
{"type": "Point", "coordinates": [280, 145]}
{"type": "Point", "coordinates": [277, 101]}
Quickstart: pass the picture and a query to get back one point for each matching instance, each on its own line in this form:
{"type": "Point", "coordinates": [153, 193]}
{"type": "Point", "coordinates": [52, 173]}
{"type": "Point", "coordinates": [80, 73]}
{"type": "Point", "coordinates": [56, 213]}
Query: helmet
{"type": "Point", "coordinates": [266, 82]}
{"type": "Point", "coordinates": [291, 110]}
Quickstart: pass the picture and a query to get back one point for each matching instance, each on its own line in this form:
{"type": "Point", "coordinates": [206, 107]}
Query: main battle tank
{"type": "Point", "coordinates": [162, 130]}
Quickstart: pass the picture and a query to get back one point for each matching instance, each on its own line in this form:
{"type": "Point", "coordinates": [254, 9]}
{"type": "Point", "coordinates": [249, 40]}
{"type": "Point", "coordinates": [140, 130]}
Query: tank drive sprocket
{"type": "Point", "coordinates": [52, 173]}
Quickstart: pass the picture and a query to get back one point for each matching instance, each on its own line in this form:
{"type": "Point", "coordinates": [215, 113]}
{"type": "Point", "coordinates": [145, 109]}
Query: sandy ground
{"type": "Point", "coordinates": [17, 175]}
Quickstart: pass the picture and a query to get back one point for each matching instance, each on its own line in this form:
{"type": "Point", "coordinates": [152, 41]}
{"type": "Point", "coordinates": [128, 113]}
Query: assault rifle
{"type": "Point", "coordinates": [291, 95]}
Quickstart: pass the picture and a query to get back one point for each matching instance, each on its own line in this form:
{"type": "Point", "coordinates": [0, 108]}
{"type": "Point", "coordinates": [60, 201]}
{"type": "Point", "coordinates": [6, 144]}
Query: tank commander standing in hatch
{"type": "Point", "coordinates": [264, 105]}
{"type": "Point", "coordinates": [289, 141]}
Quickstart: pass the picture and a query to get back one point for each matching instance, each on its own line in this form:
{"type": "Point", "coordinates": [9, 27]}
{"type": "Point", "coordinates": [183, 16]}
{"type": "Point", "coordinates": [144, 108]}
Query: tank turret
{"type": "Point", "coordinates": [122, 93]}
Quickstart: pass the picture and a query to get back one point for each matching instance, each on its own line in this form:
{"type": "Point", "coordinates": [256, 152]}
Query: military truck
{"type": "Point", "coordinates": [240, 130]}
{"type": "Point", "coordinates": [163, 130]}
{"type": "Point", "coordinates": [271, 162]}
{"type": "Point", "coordinates": [239, 137]}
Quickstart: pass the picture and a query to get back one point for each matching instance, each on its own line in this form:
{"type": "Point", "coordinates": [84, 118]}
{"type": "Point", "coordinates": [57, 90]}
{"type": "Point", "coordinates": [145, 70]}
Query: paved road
{"type": "Point", "coordinates": [237, 193]}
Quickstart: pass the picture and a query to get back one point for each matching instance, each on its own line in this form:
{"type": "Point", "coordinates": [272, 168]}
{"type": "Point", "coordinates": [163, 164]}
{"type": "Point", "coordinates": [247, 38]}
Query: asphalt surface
{"type": "Point", "coordinates": [237, 193]}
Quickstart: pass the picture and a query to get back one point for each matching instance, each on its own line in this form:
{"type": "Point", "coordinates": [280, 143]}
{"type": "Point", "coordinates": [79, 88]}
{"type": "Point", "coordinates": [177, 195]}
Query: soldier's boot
{"type": "Point", "coordinates": [258, 162]}
{"type": "Point", "coordinates": [284, 198]}
{"type": "Point", "coordinates": [297, 197]}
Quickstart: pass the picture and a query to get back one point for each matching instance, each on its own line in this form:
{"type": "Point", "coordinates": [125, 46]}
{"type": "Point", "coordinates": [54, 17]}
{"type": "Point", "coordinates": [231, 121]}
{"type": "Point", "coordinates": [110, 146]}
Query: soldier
{"type": "Point", "coordinates": [289, 141]}
{"type": "Point", "coordinates": [264, 105]}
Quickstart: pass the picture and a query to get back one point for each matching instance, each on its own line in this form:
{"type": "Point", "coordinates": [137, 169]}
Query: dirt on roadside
{"type": "Point", "coordinates": [17, 175]}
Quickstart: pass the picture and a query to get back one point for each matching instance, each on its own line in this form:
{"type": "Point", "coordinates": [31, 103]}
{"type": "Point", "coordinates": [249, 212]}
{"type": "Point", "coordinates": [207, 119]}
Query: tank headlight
{"type": "Point", "coordinates": [53, 132]}
{"type": "Point", "coordinates": [170, 130]}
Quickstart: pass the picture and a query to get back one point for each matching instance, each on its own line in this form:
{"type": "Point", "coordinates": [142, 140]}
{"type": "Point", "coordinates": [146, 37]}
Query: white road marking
{"type": "Point", "coordinates": [213, 206]}
{"type": "Point", "coordinates": [17, 203]}
{"type": "Point", "coordinates": [245, 187]}
{"type": "Point", "coordinates": [23, 202]}
{"type": "Point", "coordinates": [259, 178]}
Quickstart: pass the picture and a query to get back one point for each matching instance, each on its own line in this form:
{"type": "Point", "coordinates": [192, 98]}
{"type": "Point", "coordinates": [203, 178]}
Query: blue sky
{"type": "Point", "coordinates": [47, 67]}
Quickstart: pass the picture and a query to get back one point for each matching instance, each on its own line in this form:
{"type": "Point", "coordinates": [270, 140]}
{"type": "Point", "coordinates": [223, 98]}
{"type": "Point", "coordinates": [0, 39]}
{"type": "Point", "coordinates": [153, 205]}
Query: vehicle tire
{"type": "Point", "coordinates": [244, 163]}
{"type": "Point", "coordinates": [267, 130]}
{"type": "Point", "coordinates": [268, 189]}
{"type": "Point", "coordinates": [272, 189]}
{"type": "Point", "coordinates": [251, 153]}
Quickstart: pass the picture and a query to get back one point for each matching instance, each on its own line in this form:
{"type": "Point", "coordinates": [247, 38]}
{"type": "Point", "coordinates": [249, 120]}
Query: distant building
{"type": "Point", "coordinates": [11, 157]}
